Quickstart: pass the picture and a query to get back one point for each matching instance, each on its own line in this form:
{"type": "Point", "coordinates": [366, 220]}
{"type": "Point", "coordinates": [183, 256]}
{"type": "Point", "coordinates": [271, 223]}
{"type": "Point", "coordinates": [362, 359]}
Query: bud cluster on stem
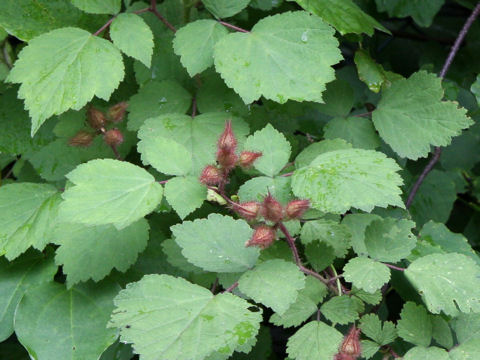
{"type": "Point", "coordinates": [350, 348]}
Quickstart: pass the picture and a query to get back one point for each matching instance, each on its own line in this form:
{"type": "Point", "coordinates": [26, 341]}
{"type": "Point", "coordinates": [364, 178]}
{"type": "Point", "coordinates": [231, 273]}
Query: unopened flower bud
{"type": "Point", "coordinates": [227, 140]}
{"type": "Point", "coordinates": [82, 139]}
{"type": "Point", "coordinates": [247, 158]}
{"type": "Point", "coordinates": [96, 118]}
{"type": "Point", "coordinates": [296, 208]}
{"type": "Point", "coordinates": [116, 113]}
{"type": "Point", "coordinates": [248, 210]}
{"type": "Point", "coordinates": [271, 209]}
{"type": "Point", "coordinates": [263, 237]}
{"type": "Point", "coordinates": [113, 137]}
{"type": "Point", "coordinates": [350, 348]}
{"type": "Point", "coordinates": [226, 158]}
{"type": "Point", "coordinates": [211, 175]}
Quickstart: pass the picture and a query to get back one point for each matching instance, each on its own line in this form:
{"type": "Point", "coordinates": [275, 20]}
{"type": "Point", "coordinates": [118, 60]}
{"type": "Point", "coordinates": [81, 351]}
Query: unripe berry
{"type": "Point", "coordinates": [271, 209]}
{"type": "Point", "coordinates": [211, 175]}
{"type": "Point", "coordinates": [350, 348]}
{"type": "Point", "coordinates": [248, 210]}
{"type": "Point", "coordinates": [296, 208]}
{"type": "Point", "coordinates": [113, 137]}
{"type": "Point", "coordinates": [247, 158]}
{"type": "Point", "coordinates": [116, 113]}
{"type": "Point", "coordinates": [227, 140]}
{"type": "Point", "coordinates": [82, 139]}
{"type": "Point", "coordinates": [263, 237]}
{"type": "Point", "coordinates": [226, 158]}
{"type": "Point", "coordinates": [96, 118]}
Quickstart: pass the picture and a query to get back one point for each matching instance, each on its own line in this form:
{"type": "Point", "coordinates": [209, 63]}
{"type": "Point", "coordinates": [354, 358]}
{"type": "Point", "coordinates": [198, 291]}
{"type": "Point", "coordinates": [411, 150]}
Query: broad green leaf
{"type": "Point", "coordinates": [26, 19]}
{"type": "Point", "coordinates": [274, 283]}
{"type": "Point", "coordinates": [98, 6]}
{"type": "Point", "coordinates": [338, 180]}
{"type": "Point", "coordinates": [194, 44]}
{"type": "Point", "coordinates": [425, 118]}
{"type": "Point", "coordinates": [341, 309]}
{"type": "Point", "coordinates": [216, 243]}
{"type": "Point", "coordinates": [91, 252]}
{"type": "Point", "coordinates": [328, 232]}
{"type": "Point", "coordinates": [16, 278]}
{"type": "Point", "coordinates": [199, 136]}
{"type": "Point", "coordinates": [54, 323]}
{"type": "Point", "coordinates": [358, 131]}
{"type": "Point", "coordinates": [366, 274]}
{"type": "Point", "coordinates": [310, 153]}
{"type": "Point", "coordinates": [344, 15]}
{"type": "Point", "coordinates": [468, 350]}
{"type": "Point", "coordinates": [339, 99]}
{"type": "Point", "coordinates": [64, 69]}
{"type": "Point", "coordinates": [466, 326]}
{"type": "Point", "coordinates": [109, 192]}
{"type": "Point", "coordinates": [315, 340]}
{"type": "Point", "coordinates": [441, 331]}
{"type": "Point", "coordinates": [157, 98]}
{"type": "Point", "coordinates": [225, 8]}
{"type": "Point", "coordinates": [265, 5]}
{"type": "Point", "coordinates": [274, 147]}
{"type": "Point", "coordinates": [320, 254]}
{"type": "Point", "coordinates": [431, 353]}
{"type": "Point", "coordinates": [389, 239]}
{"type": "Point", "coordinates": [185, 194]}
{"type": "Point", "coordinates": [475, 88]}
{"type": "Point", "coordinates": [369, 348]}
{"type": "Point", "coordinates": [372, 327]}
{"type": "Point", "coordinates": [131, 34]}
{"type": "Point", "coordinates": [169, 318]}
{"type": "Point", "coordinates": [372, 299]}
{"type": "Point", "coordinates": [285, 56]}
{"type": "Point", "coordinates": [27, 214]}
{"type": "Point", "coordinates": [447, 282]}
{"type": "Point", "coordinates": [422, 11]}
{"type": "Point", "coordinates": [371, 73]}
{"type": "Point", "coordinates": [357, 223]}
{"type": "Point", "coordinates": [173, 251]}
{"type": "Point", "coordinates": [415, 325]}
{"type": "Point", "coordinates": [257, 188]}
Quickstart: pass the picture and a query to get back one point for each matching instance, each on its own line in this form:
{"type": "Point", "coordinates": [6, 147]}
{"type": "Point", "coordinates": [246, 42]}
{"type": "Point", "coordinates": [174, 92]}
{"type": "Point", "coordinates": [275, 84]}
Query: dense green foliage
{"type": "Point", "coordinates": [228, 179]}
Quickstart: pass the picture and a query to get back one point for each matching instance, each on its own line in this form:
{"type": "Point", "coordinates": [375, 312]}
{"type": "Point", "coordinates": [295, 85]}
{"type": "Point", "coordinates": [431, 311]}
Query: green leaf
{"type": "Point", "coordinates": [63, 70]}
{"type": "Point", "coordinates": [344, 15]}
{"type": "Point", "coordinates": [441, 331]}
{"type": "Point", "coordinates": [109, 192]}
{"type": "Point", "coordinates": [98, 6]}
{"type": "Point", "coordinates": [372, 299]}
{"type": "Point", "coordinates": [328, 232]}
{"type": "Point", "coordinates": [466, 326]}
{"type": "Point", "coordinates": [16, 278]}
{"type": "Point", "coordinates": [358, 131]}
{"type": "Point", "coordinates": [468, 350]}
{"type": "Point", "coordinates": [338, 180]}
{"type": "Point", "coordinates": [199, 136]}
{"type": "Point", "coordinates": [341, 309]}
{"type": "Point", "coordinates": [185, 194]}
{"type": "Point", "coordinates": [423, 120]}
{"type": "Point", "coordinates": [422, 11]}
{"type": "Point", "coordinates": [169, 318]}
{"type": "Point", "coordinates": [257, 188]}
{"type": "Point", "coordinates": [286, 56]}
{"type": "Point", "coordinates": [92, 252]}
{"type": "Point", "coordinates": [447, 282]}
{"type": "Point", "coordinates": [27, 214]}
{"type": "Point", "coordinates": [310, 153]}
{"type": "Point", "coordinates": [320, 254]}
{"type": "Point", "coordinates": [173, 251]}
{"type": "Point", "coordinates": [225, 8]}
{"type": "Point", "coordinates": [54, 323]}
{"type": "Point", "coordinates": [274, 147]}
{"type": "Point", "coordinates": [431, 353]}
{"type": "Point", "coordinates": [369, 348]}
{"type": "Point", "coordinates": [131, 34]}
{"type": "Point", "coordinates": [157, 98]}
{"type": "Point", "coordinates": [315, 340]}
{"type": "Point", "coordinates": [216, 243]}
{"type": "Point", "coordinates": [274, 283]}
{"type": "Point", "coordinates": [372, 327]}
{"type": "Point", "coordinates": [366, 274]}
{"type": "Point", "coordinates": [371, 73]}
{"type": "Point", "coordinates": [415, 325]}
{"type": "Point", "coordinates": [357, 223]}
{"type": "Point", "coordinates": [389, 239]}
{"type": "Point", "coordinates": [475, 88]}
{"type": "Point", "coordinates": [339, 99]}
{"type": "Point", "coordinates": [194, 44]}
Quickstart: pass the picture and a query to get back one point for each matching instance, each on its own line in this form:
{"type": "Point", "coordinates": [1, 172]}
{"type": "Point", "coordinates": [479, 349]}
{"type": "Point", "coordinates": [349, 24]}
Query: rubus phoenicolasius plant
{"type": "Point", "coordinates": [239, 179]}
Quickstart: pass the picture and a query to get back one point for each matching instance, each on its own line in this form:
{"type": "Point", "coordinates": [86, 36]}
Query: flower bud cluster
{"type": "Point", "coordinates": [350, 348]}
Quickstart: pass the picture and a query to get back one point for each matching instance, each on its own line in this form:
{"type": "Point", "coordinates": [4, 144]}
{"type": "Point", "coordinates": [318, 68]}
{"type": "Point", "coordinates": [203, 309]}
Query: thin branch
{"type": "Point", "coordinates": [214, 286]}
{"type": "Point", "coordinates": [287, 174]}
{"type": "Point", "coordinates": [6, 56]}
{"type": "Point", "coordinates": [232, 287]}
{"type": "Point", "coordinates": [443, 72]}
{"type": "Point", "coordinates": [153, 5]}
{"type": "Point", "coordinates": [106, 25]}
{"type": "Point", "coordinates": [115, 151]}
{"type": "Point", "coordinates": [337, 280]}
{"type": "Point", "coordinates": [367, 114]}
{"type": "Point", "coordinates": [162, 182]}
{"type": "Point", "coordinates": [394, 267]}
{"type": "Point", "coordinates": [162, 19]}
{"type": "Point", "coordinates": [236, 28]}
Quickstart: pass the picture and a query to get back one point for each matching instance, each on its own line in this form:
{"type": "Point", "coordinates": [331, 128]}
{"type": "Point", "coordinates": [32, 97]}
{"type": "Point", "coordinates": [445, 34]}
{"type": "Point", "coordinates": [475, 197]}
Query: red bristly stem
{"type": "Point", "coordinates": [443, 72]}
{"type": "Point", "coordinates": [232, 287]}
{"type": "Point", "coordinates": [115, 151]}
{"type": "Point", "coordinates": [236, 28]}
{"type": "Point", "coordinates": [394, 267]}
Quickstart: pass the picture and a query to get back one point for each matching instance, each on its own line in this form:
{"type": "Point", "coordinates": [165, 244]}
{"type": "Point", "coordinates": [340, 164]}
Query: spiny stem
{"type": "Point", "coordinates": [236, 28]}
{"type": "Point", "coordinates": [443, 72]}
{"type": "Point", "coordinates": [115, 151]}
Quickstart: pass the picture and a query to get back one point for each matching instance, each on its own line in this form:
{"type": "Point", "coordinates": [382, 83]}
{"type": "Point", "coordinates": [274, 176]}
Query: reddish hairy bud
{"type": "Point", "coordinates": [96, 118]}
{"type": "Point", "coordinates": [296, 208]}
{"type": "Point", "coordinates": [247, 158]}
{"type": "Point", "coordinates": [350, 348]}
{"type": "Point", "coordinates": [81, 139]}
{"type": "Point", "coordinates": [227, 140]}
{"type": "Point", "coordinates": [271, 209]}
{"type": "Point", "coordinates": [117, 112]}
{"type": "Point", "coordinates": [248, 210]}
{"type": "Point", "coordinates": [113, 137]}
{"type": "Point", "coordinates": [263, 237]}
{"type": "Point", "coordinates": [226, 158]}
{"type": "Point", "coordinates": [211, 175]}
